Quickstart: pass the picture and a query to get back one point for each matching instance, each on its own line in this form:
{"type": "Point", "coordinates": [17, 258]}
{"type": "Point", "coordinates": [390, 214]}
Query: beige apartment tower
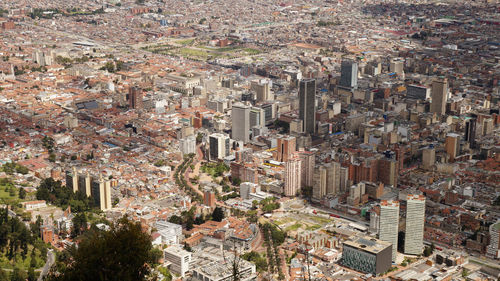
{"type": "Point", "coordinates": [292, 176]}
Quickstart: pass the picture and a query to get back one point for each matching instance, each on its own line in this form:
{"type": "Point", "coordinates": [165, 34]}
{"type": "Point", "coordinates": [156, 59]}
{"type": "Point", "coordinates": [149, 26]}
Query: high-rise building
{"type": "Point", "coordinates": [307, 160]}
{"type": "Point", "coordinates": [439, 96]}
{"type": "Point", "coordinates": [428, 157]}
{"type": "Point", "coordinates": [292, 176]}
{"type": "Point", "coordinates": [389, 224]}
{"type": "Point", "coordinates": [219, 146]}
{"type": "Point", "coordinates": [84, 184]}
{"type": "Point", "coordinates": [451, 145]}
{"type": "Point", "coordinates": [307, 107]}
{"type": "Point", "coordinates": [415, 219]}
{"type": "Point", "coordinates": [101, 193]}
{"type": "Point", "coordinates": [179, 259]}
{"type": "Point", "coordinates": [240, 115]}
{"type": "Point", "coordinates": [263, 89]}
{"type": "Point", "coordinates": [257, 117]}
{"type": "Point", "coordinates": [493, 249]}
{"type": "Point", "coordinates": [285, 148]}
{"type": "Point", "coordinates": [209, 198]}
{"type": "Point", "coordinates": [72, 179]}
{"type": "Point", "coordinates": [135, 96]}
{"type": "Point", "coordinates": [327, 178]}
{"type": "Point", "coordinates": [187, 145]}
{"type": "Point", "coordinates": [418, 92]}
{"type": "Point", "coordinates": [349, 74]}
{"type": "Point", "coordinates": [470, 132]}
{"type": "Point", "coordinates": [320, 182]}
{"type": "Point", "coordinates": [388, 171]}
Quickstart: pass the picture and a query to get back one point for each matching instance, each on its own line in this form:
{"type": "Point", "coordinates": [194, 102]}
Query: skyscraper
{"type": "Point", "coordinates": [493, 249]}
{"type": "Point", "coordinates": [292, 176]}
{"type": "Point", "coordinates": [389, 224]}
{"type": "Point", "coordinates": [101, 193]}
{"type": "Point", "coordinates": [428, 157]}
{"type": "Point", "coordinates": [470, 132]}
{"type": "Point", "coordinates": [307, 160]}
{"type": "Point", "coordinates": [439, 96]}
{"type": "Point", "coordinates": [349, 74]}
{"type": "Point", "coordinates": [285, 148]}
{"type": "Point", "coordinates": [240, 114]}
{"type": "Point", "coordinates": [135, 97]}
{"type": "Point", "coordinates": [263, 89]}
{"type": "Point", "coordinates": [219, 146]}
{"type": "Point", "coordinates": [451, 145]}
{"type": "Point", "coordinates": [415, 218]}
{"type": "Point", "coordinates": [307, 107]}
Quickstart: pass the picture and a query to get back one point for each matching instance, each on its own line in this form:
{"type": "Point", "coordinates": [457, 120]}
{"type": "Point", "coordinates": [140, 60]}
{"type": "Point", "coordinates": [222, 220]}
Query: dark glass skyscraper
{"type": "Point", "coordinates": [349, 74]}
{"type": "Point", "coordinates": [307, 108]}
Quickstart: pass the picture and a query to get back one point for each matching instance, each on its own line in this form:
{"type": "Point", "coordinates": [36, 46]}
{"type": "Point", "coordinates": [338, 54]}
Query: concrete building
{"type": "Point", "coordinates": [367, 254]}
{"type": "Point", "coordinates": [439, 96]}
{"type": "Point", "coordinates": [470, 132]}
{"type": "Point", "coordinates": [179, 259]}
{"type": "Point", "coordinates": [187, 145]}
{"type": "Point", "coordinates": [415, 220]}
{"type": "Point", "coordinates": [101, 193]}
{"type": "Point", "coordinates": [451, 146]}
{"type": "Point", "coordinates": [307, 160]}
{"type": "Point", "coordinates": [418, 92]}
{"type": "Point", "coordinates": [428, 158]}
{"type": "Point", "coordinates": [292, 177]}
{"type": "Point", "coordinates": [262, 88]}
{"type": "Point", "coordinates": [219, 146]}
{"type": "Point", "coordinates": [135, 96]}
{"type": "Point", "coordinates": [171, 233]}
{"type": "Point", "coordinates": [223, 270]}
{"type": "Point", "coordinates": [285, 148]}
{"type": "Point", "coordinates": [307, 105]}
{"type": "Point", "coordinates": [246, 188]}
{"type": "Point", "coordinates": [209, 198]}
{"type": "Point", "coordinates": [240, 115]}
{"type": "Point", "coordinates": [349, 74]}
{"type": "Point", "coordinates": [326, 180]}
{"type": "Point", "coordinates": [493, 249]}
{"type": "Point", "coordinates": [389, 224]}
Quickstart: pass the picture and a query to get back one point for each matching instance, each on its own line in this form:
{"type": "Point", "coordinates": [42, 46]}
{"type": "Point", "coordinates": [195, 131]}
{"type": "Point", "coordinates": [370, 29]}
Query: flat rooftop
{"type": "Point", "coordinates": [368, 244]}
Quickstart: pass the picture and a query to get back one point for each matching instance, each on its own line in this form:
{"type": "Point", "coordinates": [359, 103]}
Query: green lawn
{"type": "Point", "coordinates": [313, 227]}
{"type": "Point", "coordinates": [19, 262]}
{"type": "Point", "coordinates": [185, 42]}
{"type": "Point", "coordinates": [294, 227]}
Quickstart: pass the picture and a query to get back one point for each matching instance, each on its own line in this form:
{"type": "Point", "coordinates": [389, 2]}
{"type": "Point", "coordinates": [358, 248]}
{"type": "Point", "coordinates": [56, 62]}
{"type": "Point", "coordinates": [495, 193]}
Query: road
{"type": "Point", "coordinates": [51, 259]}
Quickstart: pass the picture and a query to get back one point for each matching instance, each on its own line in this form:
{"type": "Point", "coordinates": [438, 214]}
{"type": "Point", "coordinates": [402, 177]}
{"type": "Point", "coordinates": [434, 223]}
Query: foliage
{"type": "Point", "coordinates": [55, 193]}
{"type": "Point", "coordinates": [236, 181]}
{"type": "Point", "coordinates": [269, 204]}
{"type": "Point", "coordinates": [218, 214]}
{"type": "Point", "coordinates": [259, 261]}
{"type": "Point", "coordinates": [230, 196]}
{"type": "Point", "coordinates": [79, 224]}
{"type": "Point", "coordinates": [214, 169]}
{"type": "Point", "coordinates": [22, 193]}
{"type": "Point", "coordinates": [166, 273]}
{"type": "Point", "coordinates": [123, 253]}
{"type": "Point", "coordinates": [283, 126]}
{"type": "Point", "coordinates": [12, 167]}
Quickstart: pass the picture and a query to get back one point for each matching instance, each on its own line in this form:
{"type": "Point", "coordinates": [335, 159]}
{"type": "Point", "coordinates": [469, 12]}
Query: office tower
{"type": "Point", "coordinates": [307, 107]}
{"type": "Point", "coordinates": [415, 219]}
{"type": "Point", "coordinates": [209, 198]}
{"type": "Point", "coordinates": [269, 112]}
{"type": "Point", "coordinates": [257, 117]}
{"type": "Point", "coordinates": [389, 224]}
{"type": "Point", "coordinates": [101, 193]}
{"type": "Point", "coordinates": [367, 254]}
{"type": "Point", "coordinates": [333, 178]}
{"type": "Point", "coordinates": [263, 89]}
{"type": "Point", "coordinates": [374, 219]}
{"type": "Point", "coordinates": [219, 146]}
{"type": "Point", "coordinates": [349, 74]}
{"type": "Point", "coordinates": [240, 115]}
{"type": "Point", "coordinates": [493, 249]}
{"type": "Point", "coordinates": [344, 177]}
{"type": "Point", "coordinates": [187, 145]}
{"type": "Point", "coordinates": [388, 171]}
{"type": "Point", "coordinates": [451, 145]}
{"type": "Point", "coordinates": [179, 259]}
{"type": "Point", "coordinates": [439, 96]}
{"type": "Point", "coordinates": [320, 182]}
{"type": "Point", "coordinates": [418, 92]}
{"type": "Point", "coordinates": [285, 148]}
{"type": "Point", "coordinates": [428, 157]}
{"type": "Point", "coordinates": [292, 176]}
{"type": "Point", "coordinates": [307, 160]}
{"type": "Point", "coordinates": [470, 132]}
{"type": "Point", "coordinates": [396, 66]}
{"type": "Point", "coordinates": [135, 97]}
{"type": "Point", "coordinates": [72, 179]}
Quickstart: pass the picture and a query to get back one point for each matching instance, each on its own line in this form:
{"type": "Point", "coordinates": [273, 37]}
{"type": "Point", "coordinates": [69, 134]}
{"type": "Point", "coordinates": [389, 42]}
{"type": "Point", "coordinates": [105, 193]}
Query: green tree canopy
{"type": "Point", "coordinates": [123, 253]}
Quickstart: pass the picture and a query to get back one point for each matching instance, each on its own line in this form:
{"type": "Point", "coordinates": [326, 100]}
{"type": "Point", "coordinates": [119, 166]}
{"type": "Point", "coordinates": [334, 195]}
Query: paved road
{"type": "Point", "coordinates": [51, 259]}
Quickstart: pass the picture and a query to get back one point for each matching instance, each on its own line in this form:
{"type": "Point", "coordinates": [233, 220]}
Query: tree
{"type": "Point", "coordinates": [17, 275]}
{"type": "Point", "coordinates": [31, 274]}
{"type": "Point", "coordinates": [218, 214]}
{"type": "Point", "coordinates": [123, 253]}
{"type": "Point", "coordinates": [79, 224]}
